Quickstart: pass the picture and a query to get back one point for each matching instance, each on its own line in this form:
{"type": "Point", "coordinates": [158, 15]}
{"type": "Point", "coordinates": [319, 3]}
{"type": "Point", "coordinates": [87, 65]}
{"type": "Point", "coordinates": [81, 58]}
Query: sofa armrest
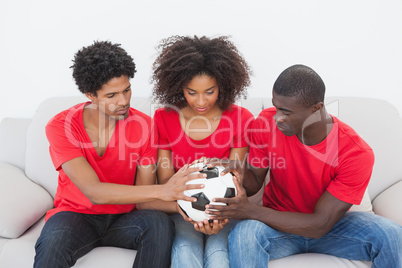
{"type": "Point", "coordinates": [388, 203]}
{"type": "Point", "coordinates": [22, 202]}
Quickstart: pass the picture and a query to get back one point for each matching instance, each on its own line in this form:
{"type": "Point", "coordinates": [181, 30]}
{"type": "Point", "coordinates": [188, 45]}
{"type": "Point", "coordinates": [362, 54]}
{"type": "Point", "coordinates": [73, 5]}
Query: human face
{"type": "Point", "coordinates": [113, 99]}
{"type": "Point", "coordinates": [291, 116]}
{"type": "Point", "coordinates": [201, 94]}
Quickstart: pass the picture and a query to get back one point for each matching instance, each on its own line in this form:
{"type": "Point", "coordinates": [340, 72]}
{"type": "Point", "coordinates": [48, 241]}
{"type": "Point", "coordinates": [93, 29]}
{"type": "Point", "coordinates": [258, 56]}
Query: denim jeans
{"type": "Point", "coordinates": [67, 236]}
{"type": "Point", "coordinates": [195, 249]}
{"type": "Point", "coordinates": [357, 236]}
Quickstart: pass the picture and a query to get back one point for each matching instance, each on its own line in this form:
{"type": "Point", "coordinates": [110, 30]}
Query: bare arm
{"type": "Point", "coordinates": [85, 178]}
{"type": "Point", "coordinates": [328, 211]}
{"type": "Point", "coordinates": [165, 168]}
{"type": "Point", "coordinates": [254, 179]}
{"type": "Point", "coordinates": [238, 154]}
{"type": "Point", "coordinates": [164, 172]}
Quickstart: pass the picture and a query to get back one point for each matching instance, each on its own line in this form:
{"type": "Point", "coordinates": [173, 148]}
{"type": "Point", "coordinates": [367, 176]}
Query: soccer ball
{"type": "Point", "coordinates": [216, 186]}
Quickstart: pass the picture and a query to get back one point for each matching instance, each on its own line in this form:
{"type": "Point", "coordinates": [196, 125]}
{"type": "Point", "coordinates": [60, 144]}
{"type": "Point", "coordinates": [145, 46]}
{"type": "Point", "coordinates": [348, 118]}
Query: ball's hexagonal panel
{"type": "Point", "coordinates": [211, 172]}
{"type": "Point", "coordinates": [230, 192]}
{"type": "Point", "coordinates": [202, 200]}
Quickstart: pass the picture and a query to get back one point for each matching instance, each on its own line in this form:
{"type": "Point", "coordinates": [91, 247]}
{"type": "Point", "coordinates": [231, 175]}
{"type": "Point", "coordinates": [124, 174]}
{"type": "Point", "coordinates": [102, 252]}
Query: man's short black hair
{"type": "Point", "coordinates": [96, 64]}
{"type": "Point", "coordinates": [301, 82]}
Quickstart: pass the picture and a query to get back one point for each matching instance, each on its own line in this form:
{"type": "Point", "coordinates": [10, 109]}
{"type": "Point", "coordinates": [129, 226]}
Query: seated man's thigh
{"type": "Point", "coordinates": [130, 228]}
{"type": "Point", "coordinates": [66, 236]}
{"type": "Point", "coordinates": [259, 236]}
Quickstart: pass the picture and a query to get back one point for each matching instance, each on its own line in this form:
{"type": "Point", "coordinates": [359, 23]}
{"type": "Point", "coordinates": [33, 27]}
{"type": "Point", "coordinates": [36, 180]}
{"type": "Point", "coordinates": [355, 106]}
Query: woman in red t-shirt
{"type": "Point", "coordinates": [198, 81]}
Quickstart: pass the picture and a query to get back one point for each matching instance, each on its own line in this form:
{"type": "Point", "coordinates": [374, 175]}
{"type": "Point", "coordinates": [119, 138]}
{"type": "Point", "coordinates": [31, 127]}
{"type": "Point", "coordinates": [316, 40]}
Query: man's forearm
{"type": "Point", "coordinates": [252, 183]}
{"type": "Point", "coordinates": [164, 206]}
{"type": "Point", "coordinates": [304, 224]}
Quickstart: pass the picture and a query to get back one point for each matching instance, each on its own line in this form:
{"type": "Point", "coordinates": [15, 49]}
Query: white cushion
{"type": "Point", "coordinates": [107, 257]}
{"type": "Point", "coordinates": [389, 203]}
{"type": "Point", "coordinates": [22, 202]}
{"type": "Point", "coordinates": [365, 205]}
{"type": "Point", "coordinates": [316, 260]}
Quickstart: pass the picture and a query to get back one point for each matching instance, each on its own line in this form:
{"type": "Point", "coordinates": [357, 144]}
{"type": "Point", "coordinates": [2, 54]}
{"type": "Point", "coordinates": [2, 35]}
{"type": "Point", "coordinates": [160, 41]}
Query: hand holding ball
{"type": "Point", "coordinates": [216, 186]}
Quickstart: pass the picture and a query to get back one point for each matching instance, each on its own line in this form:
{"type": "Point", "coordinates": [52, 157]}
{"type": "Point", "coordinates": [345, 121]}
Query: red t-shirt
{"type": "Point", "coordinates": [133, 143]}
{"type": "Point", "coordinates": [299, 174]}
{"type": "Point", "coordinates": [231, 133]}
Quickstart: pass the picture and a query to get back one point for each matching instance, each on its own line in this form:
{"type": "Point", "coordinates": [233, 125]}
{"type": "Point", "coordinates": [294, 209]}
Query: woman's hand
{"type": "Point", "coordinates": [209, 228]}
{"type": "Point", "coordinates": [185, 217]}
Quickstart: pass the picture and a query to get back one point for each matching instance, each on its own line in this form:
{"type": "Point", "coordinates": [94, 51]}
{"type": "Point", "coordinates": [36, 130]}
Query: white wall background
{"type": "Point", "coordinates": [355, 45]}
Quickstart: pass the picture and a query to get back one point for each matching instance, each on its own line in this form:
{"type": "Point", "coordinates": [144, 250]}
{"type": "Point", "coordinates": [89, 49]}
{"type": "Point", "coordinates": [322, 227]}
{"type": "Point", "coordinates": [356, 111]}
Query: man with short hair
{"type": "Point", "coordinates": [105, 152]}
{"type": "Point", "coordinates": [319, 167]}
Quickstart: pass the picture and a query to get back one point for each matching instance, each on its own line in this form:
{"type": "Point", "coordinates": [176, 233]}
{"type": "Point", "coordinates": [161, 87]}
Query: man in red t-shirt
{"type": "Point", "coordinates": [319, 167]}
{"type": "Point", "coordinates": [105, 152]}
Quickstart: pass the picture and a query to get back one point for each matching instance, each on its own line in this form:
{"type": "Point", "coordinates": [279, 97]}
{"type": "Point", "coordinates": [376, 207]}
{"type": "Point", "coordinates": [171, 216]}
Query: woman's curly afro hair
{"type": "Point", "coordinates": [181, 58]}
{"type": "Point", "coordinates": [96, 64]}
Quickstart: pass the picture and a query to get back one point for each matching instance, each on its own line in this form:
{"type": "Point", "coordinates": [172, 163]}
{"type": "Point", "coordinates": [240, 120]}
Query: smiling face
{"type": "Point", "coordinates": [201, 94]}
{"type": "Point", "coordinates": [291, 115]}
{"type": "Point", "coordinates": [113, 99]}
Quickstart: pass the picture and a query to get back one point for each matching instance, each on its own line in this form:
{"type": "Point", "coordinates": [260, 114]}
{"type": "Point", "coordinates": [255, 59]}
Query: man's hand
{"type": "Point", "coordinates": [174, 188]}
{"type": "Point", "coordinates": [237, 207]}
{"type": "Point", "coordinates": [237, 167]}
{"type": "Point", "coordinates": [210, 228]}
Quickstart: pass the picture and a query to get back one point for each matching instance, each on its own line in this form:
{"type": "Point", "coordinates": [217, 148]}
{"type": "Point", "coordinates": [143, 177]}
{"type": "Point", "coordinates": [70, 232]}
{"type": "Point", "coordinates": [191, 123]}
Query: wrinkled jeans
{"type": "Point", "coordinates": [195, 249]}
{"type": "Point", "coordinates": [67, 236]}
{"type": "Point", "coordinates": [357, 236]}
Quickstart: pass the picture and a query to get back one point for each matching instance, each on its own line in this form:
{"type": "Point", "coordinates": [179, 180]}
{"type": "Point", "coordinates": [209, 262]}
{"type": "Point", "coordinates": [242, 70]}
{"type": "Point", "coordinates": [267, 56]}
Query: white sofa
{"type": "Point", "coordinates": [28, 179]}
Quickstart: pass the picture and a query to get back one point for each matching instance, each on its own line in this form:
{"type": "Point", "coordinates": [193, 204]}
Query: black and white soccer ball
{"type": "Point", "coordinates": [216, 186]}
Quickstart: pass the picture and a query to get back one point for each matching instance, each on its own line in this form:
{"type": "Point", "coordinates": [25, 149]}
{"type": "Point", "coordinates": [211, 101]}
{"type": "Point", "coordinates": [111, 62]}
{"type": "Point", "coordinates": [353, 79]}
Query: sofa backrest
{"type": "Point", "coordinates": [380, 125]}
{"type": "Point", "coordinates": [377, 121]}
{"type": "Point", "coordinates": [13, 137]}
{"type": "Point", "coordinates": [38, 165]}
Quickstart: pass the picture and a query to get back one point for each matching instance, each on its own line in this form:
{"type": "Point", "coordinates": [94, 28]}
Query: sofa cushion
{"type": "Point", "coordinates": [22, 202]}
{"type": "Point", "coordinates": [317, 260]}
{"type": "Point", "coordinates": [365, 205]}
{"type": "Point", "coordinates": [389, 203]}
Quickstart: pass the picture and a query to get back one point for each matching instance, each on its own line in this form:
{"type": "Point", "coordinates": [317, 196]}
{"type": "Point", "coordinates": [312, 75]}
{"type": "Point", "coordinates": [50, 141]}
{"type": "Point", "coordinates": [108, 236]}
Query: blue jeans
{"type": "Point", "coordinates": [195, 249]}
{"type": "Point", "coordinates": [357, 236]}
{"type": "Point", "coordinates": [67, 236]}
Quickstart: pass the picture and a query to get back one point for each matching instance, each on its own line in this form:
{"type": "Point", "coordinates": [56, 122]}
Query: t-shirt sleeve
{"type": "Point", "coordinates": [150, 150]}
{"type": "Point", "coordinates": [160, 122]}
{"type": "Point", "coordinates": [240, 137]}
{"type": "Point", "coordinates": [63, 142]}
{"type": "Point", "coordinates": [352, 177]}
{"type": "Point", "coordinates": [258, 135]}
